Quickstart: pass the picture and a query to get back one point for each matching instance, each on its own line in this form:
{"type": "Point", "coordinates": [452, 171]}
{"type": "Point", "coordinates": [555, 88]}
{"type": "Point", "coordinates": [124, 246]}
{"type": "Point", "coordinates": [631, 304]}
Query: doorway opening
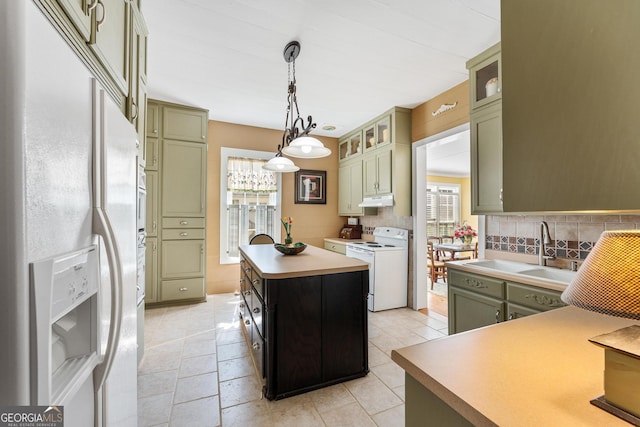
{"type": "Point", "coordinates": [440, 162]}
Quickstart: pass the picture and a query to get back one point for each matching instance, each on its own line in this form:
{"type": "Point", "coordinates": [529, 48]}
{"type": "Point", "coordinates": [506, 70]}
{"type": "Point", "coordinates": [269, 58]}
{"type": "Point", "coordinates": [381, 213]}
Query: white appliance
{"type": "Point", "coordinates": [388, 258]}
{"type": "Point", "coordinates": [68, 184]}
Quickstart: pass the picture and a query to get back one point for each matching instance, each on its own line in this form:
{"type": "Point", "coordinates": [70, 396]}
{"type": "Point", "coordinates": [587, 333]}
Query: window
{"type": "Point", "coordinates": [443, 209]}
{"type": "Point", "coordinates": [249, 200]}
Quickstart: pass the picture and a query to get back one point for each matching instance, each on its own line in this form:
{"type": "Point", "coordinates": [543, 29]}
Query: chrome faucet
{"type": "Point", "coordinates": [545, 239]}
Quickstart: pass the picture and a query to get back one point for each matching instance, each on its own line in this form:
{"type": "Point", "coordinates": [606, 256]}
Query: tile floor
{"type": "Point", "coordinates": [197, 371]}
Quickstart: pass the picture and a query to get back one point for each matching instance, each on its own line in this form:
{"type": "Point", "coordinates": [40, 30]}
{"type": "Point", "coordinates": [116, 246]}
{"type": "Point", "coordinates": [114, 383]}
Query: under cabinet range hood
{"type": "Point", "coordinates": [377, 201]}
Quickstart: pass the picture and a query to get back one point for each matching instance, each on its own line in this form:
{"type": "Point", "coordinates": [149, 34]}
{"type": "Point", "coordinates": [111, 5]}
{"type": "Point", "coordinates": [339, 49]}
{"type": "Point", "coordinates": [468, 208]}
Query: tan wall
{"type": "Point", "coordinates": [465, 197]}
{"type": "Point", "coordinates": [312, 223]}
{"type": "Point", "coordinates": [424, 124]}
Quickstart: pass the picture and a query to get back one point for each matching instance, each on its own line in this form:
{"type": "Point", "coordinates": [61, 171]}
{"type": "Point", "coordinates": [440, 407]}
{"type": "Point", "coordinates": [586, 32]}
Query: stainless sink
{"type": "Point", "coordinates": [558, 275]}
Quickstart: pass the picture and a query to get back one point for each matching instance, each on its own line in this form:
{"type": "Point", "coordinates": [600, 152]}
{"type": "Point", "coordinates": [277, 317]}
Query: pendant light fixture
{"type": "Point", "coordinates": [296, 141]}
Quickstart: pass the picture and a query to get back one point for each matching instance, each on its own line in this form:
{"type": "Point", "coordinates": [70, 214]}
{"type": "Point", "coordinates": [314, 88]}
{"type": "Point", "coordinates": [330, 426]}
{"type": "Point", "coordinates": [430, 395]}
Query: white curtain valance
{"type": "Point", "coordinates": [247, 175]}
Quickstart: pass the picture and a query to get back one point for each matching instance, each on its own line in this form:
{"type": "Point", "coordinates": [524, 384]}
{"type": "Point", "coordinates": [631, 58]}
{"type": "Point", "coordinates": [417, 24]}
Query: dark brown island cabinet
{"type": "Point", "coordinates": [304, 317]}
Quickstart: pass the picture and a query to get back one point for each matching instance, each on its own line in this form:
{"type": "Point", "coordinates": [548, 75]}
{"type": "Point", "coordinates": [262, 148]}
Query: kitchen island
{"type": "Point", "coordinates": [534, 371]}
{"type": "Point", "coordinates": [305, 317]}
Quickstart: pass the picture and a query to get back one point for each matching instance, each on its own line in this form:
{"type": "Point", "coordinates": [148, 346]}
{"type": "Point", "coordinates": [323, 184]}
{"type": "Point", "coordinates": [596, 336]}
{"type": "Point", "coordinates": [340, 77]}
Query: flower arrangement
{"type": "Point", "coordinates": [464, 232]}
{"type": "Point", "coordinates": [287, 223]}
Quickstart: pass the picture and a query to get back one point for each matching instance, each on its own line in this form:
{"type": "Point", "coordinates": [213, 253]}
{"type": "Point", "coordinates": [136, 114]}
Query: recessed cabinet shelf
{"type": "Point", "coordinates": [485, 77]}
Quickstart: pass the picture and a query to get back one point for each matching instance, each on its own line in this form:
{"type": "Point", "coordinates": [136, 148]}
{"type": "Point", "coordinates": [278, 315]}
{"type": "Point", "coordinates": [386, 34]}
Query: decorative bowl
{"type": "Point", "coordinates": [294, 249]}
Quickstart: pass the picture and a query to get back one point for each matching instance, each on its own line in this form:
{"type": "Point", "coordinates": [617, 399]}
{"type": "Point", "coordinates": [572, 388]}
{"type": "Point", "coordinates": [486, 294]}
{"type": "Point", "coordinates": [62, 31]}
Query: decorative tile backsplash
{"type": "Point", "coordinates": [573, 236]}
{"type": "Point", "coordinates": [571, 249]}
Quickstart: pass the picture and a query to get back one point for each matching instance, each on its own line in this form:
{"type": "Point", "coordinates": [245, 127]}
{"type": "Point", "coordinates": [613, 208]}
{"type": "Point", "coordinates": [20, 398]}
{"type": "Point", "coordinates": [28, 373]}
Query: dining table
{"type": "Point", "coordinates": [452, 249]}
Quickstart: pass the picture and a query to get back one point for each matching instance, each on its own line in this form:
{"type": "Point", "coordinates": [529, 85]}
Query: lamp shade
{"type": "Point", "coordinates": [306, 147]}
{"type": "Point", "coordinates": [608, 281]}
{"type": "Point", "coordinates": [280, 164]}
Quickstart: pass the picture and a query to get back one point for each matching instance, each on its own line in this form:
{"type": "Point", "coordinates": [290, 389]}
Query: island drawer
{"type": "Point", "coordinates": [481, 284]}
{"type": "Point", "coordinates": [257, 350]}
{"type": "Point", "coordinates": [256, 308]}
{"type": "Point", "coordinates": [530, 296]}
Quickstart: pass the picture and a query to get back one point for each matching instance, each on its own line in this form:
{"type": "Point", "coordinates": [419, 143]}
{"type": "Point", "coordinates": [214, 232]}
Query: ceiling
{"type": "Point", "coordinates": [358, 58]}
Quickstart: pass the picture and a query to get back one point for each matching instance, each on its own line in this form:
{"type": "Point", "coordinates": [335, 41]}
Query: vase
{"type": "Point", "coordinates": [467, 240]}
{"type": "Point", "coordinates": [288, 240]}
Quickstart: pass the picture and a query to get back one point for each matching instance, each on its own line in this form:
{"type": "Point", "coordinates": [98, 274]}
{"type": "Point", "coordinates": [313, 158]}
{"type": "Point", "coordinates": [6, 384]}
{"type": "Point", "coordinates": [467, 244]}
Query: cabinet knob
{"type": "Point", "coordinates": [183, 289]}
{"type": "Point", "coordinates": [247, 293]}
{"type": "Point", "coordinates": [255, 282]}
{"type": "Point", "coordinates": [498, 316]}
{"type": "Point", "coordinates": [241, 305]}
{"type": "Point", "coordinates": [184, 222]}
{"type": "Point", "coordinates": [256, 310]}
{"type": "Point", "coordinates": [510, 316]}
{"type": "Point", "coordinates": [256, 346]}
{"type": "Point", "coordinates": [184, 234]}
{"type": "Point", "coordinates": [247, 322]}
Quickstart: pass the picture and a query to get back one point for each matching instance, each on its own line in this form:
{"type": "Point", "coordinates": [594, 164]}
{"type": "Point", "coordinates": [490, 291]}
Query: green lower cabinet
{"type": "Point", "coordinates": [515, 311]}
{"type": "Point", "coordinates": [476, 300]}
{"type": "Point", "coordinates": [469, 310]}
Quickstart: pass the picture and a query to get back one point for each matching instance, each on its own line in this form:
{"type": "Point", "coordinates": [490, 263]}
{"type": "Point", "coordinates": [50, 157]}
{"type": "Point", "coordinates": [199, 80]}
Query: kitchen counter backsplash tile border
{"type": "Point", "coordinates": [573, 236]}
{"type": "Point", "coordinates": [571, 249]}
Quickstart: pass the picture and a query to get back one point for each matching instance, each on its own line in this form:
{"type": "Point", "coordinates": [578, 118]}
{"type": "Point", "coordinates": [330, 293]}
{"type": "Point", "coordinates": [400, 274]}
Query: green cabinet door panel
{"type": "Point", "coordinates": [79, 14]}
{"type": "Point", "coordinates": [183, 178]}
{"type": "Point", "coordinates": [153, 119]}
{"type": "Point", "coordinates": [152, 203]}
{"type": "Point", "coordinates": [350, 188]}
{"type": "Point", "coordinates": [182, 259]}
{"type": "Point", "coordinates": [110, 39]}
{"type": "Point", "coordinates": [185, 124]}
{"type": "Point", "coordinates": [152, 157]}
{"type": "Point", "coordinates": [385, 170]}
{"type": "Point", "coordinates": [369, 175]}
{"type": "Point", "coordinates": [486, 160]}
{"type": "Point", "coordinates": [469, 310]}
{"type": "Point", "coordinates": [151, 271]}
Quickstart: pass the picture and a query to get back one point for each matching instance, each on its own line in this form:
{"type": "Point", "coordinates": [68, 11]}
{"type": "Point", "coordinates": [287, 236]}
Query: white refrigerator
{"type": "Point", "coordinates": [67, 189]}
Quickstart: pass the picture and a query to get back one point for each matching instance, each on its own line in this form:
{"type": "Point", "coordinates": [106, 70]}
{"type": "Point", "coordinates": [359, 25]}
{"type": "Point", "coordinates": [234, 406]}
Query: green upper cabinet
{"type": "Point", "coordinates": [110, 39]}
{"type": "Point", "coordinates": [153, 119]}
{"type": "Point", "coordinates": [487, 192]}
{"type": "Point", "coordinates": [350, 146]}
{"type": "Point", "coordinates": [350, 188]}
{"type": "Point", "coordinates": [137, 99]}
{"type": "Point", "coordinates": [486, 160]}
{"type": "Point", "coordinates": [485, 77]}
{"type": "Point", "coordinates": [378, 172]}
{"type": "Point", "coordinates": [184, 124]}
{"type": "Point", "coordinates": [102, 33]}
{"type": "Point", "coordinates": [184, 166]}
{"type": "Point", "coordinates": [377, 133]}
{"type": "Point", "coordinates": [80, 13]}
{"type": "Point", "coordinates": [382, 146]}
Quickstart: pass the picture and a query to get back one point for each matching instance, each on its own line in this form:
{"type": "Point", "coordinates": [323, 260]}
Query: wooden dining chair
{"type": "Point", "coordinates": [436, 268]}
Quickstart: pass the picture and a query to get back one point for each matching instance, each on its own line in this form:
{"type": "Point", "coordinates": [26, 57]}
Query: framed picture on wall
{"type": "Point", "coordinates": [311, 187]}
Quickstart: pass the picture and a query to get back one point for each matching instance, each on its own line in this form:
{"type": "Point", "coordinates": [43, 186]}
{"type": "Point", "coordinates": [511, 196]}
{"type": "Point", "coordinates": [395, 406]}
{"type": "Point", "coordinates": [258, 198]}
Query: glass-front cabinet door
{"type": "Point", "coordinates": [350, 146]}
{"type": "Point", "coordinates": [355, 144]}
{"type": "Point", "coordinates": [383, 131]}
{"type": "Point", "coordinates": [369, 137]}
{"type": "Point", "coordinates": [485, 72]}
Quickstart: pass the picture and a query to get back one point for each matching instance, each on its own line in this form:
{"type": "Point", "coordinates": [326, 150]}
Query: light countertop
{"type": "Point", "coordinates": [534, 371]}
{"type": "Point", "coordinates": [271, 264]}
{"type": "Point", "coordinates": [467, 265]}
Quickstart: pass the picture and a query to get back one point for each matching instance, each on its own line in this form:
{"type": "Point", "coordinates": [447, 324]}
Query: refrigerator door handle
{"type": "Point", "coordinates": [102, 227]}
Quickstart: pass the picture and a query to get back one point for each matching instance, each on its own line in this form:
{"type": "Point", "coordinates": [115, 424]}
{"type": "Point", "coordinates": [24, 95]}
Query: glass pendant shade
{"type": "Point", "coordinates": [608, 281]}
{"type": "Point", "coordinates": [306, 147]}
{"type": "Point", "coordinates": [280, 164]}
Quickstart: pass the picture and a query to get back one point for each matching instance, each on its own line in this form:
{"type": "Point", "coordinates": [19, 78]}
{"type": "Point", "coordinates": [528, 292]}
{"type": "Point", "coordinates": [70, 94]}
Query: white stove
{"type": "Point", "coordinates": [388, 252]}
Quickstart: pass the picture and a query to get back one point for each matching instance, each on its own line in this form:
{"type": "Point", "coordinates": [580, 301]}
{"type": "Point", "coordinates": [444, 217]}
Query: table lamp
{"type": "Point", "coordinates": [608, 282]}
